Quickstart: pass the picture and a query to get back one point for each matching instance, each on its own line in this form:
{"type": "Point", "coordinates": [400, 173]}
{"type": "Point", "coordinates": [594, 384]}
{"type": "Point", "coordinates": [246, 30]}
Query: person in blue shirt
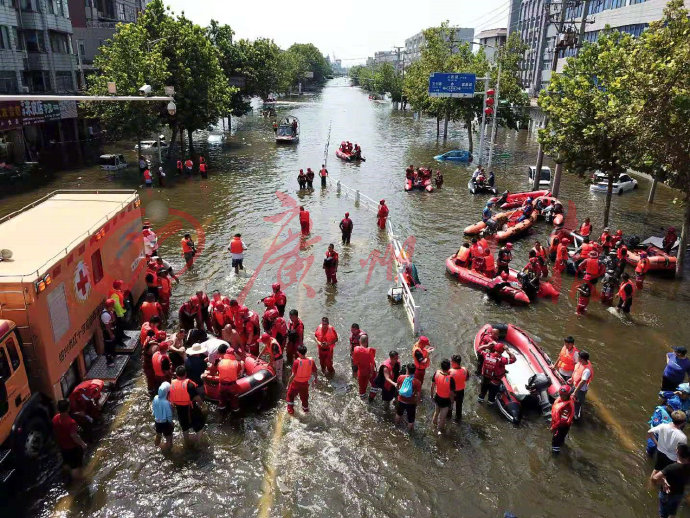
{"type": "Point", "coordinates": [486, 213]}
{"type": "Point", "coordinates": [677, 366]}
{"type": "Point", "coordinates": [662, 414]}
{"type": "Point", "coordinates": [682, 395]}
{"type": "Point", "coordinates": [163, 415]}
{"type": "Point", "coordinates": [527, 210]}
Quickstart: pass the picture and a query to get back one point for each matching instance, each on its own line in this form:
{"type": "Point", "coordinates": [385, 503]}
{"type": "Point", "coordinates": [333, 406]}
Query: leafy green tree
{"type": "Point", "coordinates": [588, 106]}
{"type": "Point", "coordinates": [309, 59]}
{"type": "Point", "coordinates": [659, 83]}
{"type": "Point", "coordinates": [513, 102]}
{"type": "Point", "coordinates": [387, 80]}
{"type": "Point", "coordinates": [127, 61]}
{"type": "Point", "coordinates": [233, 61]}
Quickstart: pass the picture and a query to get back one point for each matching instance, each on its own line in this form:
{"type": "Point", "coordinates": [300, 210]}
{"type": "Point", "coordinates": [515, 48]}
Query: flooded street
{"type": "Point", "coordinates": [347, 458]}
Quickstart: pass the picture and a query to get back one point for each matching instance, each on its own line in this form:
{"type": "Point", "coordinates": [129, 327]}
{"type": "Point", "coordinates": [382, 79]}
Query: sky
{"type": "Point", "coordinates": [365, 27]}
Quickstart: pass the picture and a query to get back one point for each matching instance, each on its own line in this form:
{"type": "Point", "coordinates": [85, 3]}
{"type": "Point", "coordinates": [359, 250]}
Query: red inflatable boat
{"type": "Point", "coordinates": [500, 218]}
{"type": "Point", "coordinates": [659, 261]}
{"type": "Point", "coordinates": [258, 374]}
{"type": "Point", "coordinates": [348, 157]}
{"type": "Point", "coordinates": [512, 228]}
{"type": "Point", "coordinates": [532, 379]}
{"type": "Point", "coordinates": [516, 199]}
{"type": "Point", "coordinates": [422, 185]}
{"type": "Point", "coordinates": [510, 292]}
{"type": "Point", "coordinates": [546, 289]}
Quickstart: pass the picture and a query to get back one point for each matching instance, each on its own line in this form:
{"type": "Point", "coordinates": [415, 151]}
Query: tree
{"type": "Point", "coordinates": [127, 61]}
{"type": "Point", "coordinates": [589, 106]}
{"type": "Point", "coordinates": [660, 86]}
{"type": "Point", "coordinates": [233, 61]}
{"type": "Point", "coordinates": [311, 60]}
{"type": "Point", "coordinates": [512, 107]}
{"type": "Point", "coordinates": [202, 92]}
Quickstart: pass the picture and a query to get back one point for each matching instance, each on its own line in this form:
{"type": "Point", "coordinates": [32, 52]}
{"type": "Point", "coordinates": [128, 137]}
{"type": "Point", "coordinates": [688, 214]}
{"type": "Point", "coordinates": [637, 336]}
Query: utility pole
{"type": "Point", "coordinates": [481, 133]}
{"type": "Point", "coordinates": [398, 66]}
{"type": "Point", "coordinates": [494, 122]}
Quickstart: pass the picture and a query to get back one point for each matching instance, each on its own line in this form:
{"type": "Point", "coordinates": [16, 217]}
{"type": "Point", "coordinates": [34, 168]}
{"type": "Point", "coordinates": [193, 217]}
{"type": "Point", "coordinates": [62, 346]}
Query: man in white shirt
{"type": "Point", "coordinates": [150, 240]}
{"type": "Point", "coordinates": [667, 437]}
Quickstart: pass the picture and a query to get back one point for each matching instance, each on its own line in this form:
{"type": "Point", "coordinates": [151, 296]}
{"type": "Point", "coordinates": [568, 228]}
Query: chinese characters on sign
{"type": "Point", "coordinates": [451, 85]}
{"type": "Point", "coordinates": [10, 115]}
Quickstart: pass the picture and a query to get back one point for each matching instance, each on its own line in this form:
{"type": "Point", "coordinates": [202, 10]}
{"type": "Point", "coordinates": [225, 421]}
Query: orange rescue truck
{"type": "Point", "coordinates": [66, 249]}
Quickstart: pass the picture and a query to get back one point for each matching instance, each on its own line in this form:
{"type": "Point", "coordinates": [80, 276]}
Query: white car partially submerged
{"type": "Point", "coordinates": [112, 162]}
{"type": "Point", "coordinates": [545, 177]}
{"type": "Point", "coordinates": [623, 184]}
{"type": "Point", "coordinates": [151, 144]}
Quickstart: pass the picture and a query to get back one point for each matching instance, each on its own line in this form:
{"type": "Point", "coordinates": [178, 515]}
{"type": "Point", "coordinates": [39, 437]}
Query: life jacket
{"type": "Point", "coordinates": [566, 359]}
{"type": "Point", "coordinates": [145, 328]}
{"type": "Point", "coordinates": [228, 370]}
{"type": "Point", "coordinates": [362, 357]}
{"type": "Point", "coordinates": [202, 167]}
{"type": "Point", "coordinates": [236, 246]}
{"type": "Point", "coordinates": [425, 361]}
{"type": "Point", "coordinates": [157, 361]}
{"type": "Point", "coordinates": [186, 248]}
{"type": "Point", "coordinates": [476, 251]}
{"type": "Point", "coordinates": [463, 254]}
{"type": "Point", "coordinates": [305, 367]}
{"type": "Point", "coordinates": [253, 323]}
{"type": "Point", "coordinates": [346, 225]}
{"type": "Point", "coordinates": [150, 310]}
{"type": "Point", "coordinates": [165, 289]}
{"type": "Point", "coordinates": [279, 328]}
{"type": "Point", "coordinates": [117, 294]}
{"type": "Point", "coordinates": [592, 267]}
{"type": "Point", "coordinates": [152, 281]}
{"type": "Point", "coordinates": [304, 216]}
{"type": "Point", "coordinates": [179, 164]}
{"type": "Point", "coordinates": [604, 237]}
{"type": "Point", "coordinates": [147, 175]}
{"type": "Point", "coordinates": [493, 367]}
{"type": "Point", "coordinates": [442, 382]}
{"type": "Point", "coordinates": [189, 163]}
{"type": "Point", "coordinates": [394, 369]}
{"type": "Point", "coordinates": [459, 377]}
{"type": "Point", "coordinates": [504, 256]}
{"type": "Point", "coordinates": [622, 253]}
{"type": "Point", "coordinates": [642, 266]}
{"type": "Point", "coordinates": [354, 340]}
{"type": "Point", "coordinates": [280, 298]}
{"type": "Point", "coordinates": [329, 336]}
{"type": "Point", "coordinates": [585, 249]}
{"type": "Point", "coordinates": [293, 331]}
{"type": "Point", "coordinates": [277, 355]}
{"type": "Point", "coordinates": [383, 211]}
{"type": "Point", "coordinates": [562, 412]}
{"type": "Point", "coordinates": [585, 229]}
{"type": "Point", "coordinates": [178, 392]}
{"type": "Point", "coordinates": [489, 264]}
{"type": "Point", "coordinates": [541, 252]}
{"type": "Point", "coordinates": [579, 370]}
{"type": "Point", "coordinates": [323, 173]}
{"type": "Point", "coordinates": [562, 252]}
{"type": "Point", "coordinates": [621, 290]}
{"type": "Point", "coordinates": [219, 317]}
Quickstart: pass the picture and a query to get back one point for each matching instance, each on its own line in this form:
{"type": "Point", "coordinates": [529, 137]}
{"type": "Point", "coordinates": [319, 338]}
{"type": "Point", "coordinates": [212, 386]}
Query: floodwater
{"type": "Point", "coordinates": [347, 458]}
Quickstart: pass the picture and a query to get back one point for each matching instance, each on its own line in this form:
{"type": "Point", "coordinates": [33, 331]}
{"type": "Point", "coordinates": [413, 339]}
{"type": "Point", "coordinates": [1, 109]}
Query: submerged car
{"type": "Point", "coordinates": [544, 179]}
{"type": "Point", "coordinates": [456, 155]}
{"type": "Point", "coordinates": [623, 184]}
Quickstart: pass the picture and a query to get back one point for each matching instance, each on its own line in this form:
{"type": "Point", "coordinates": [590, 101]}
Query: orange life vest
{"type": "Point", "coordinates": [562, 412]}
{"type": "Point", "coordinates": [178, 392]}
{"type": "Point", "coordinates": [585, 249]}
{"type": "Point", "coordinates": [621, 290]}
{"type": "Point", "coordinates": [157, 361]}
{"type": "Point", "coordinates": [579, 370]}
{"type": "Point", "coordinates": [202, 167]}
{"type": "Point", "coordinates": [165, 287]}
{"type": "Point", "coordinates": [566, 359]}
{"type": "Point", "coordinates": [459, 377]}
{"type": "Point", "coordinates": [153, 283]}
{"type": "Point", "coordinates": [305, 367]}
{"type": "Point", "coordinates": [304, 216]}
{"type": "Point", "coordinates": [144, 331]}
{"type": "Point", "coordinates": [463, 254]}
{"type": "Point", "coordinates": [189, 163]}
{"type": "Point", "coordinates": [592, 266]}
{"type": "Point", "coordinates": [442, 382]}
{"type": "Point", "coordinates": [117, 294]}
{"type": "Point", "coordinates": [562, 252]}
{"type": "Point", "coordinates": [228, 370]}
{"type": "Point", "coordinates": [150, 310]}
{"type": "Point", "coordinates": [489, 264]}
{"type": "Point", "coordinates": [585, 229]}
{"type": "Point", "coordinates": [642, 266]}
{"type": "Point", "coordinates": [329, 336]}
{"type": "Point", "coordinates": [236, 245]}
{"type": "Point", "coordinates": [185, 246]}
{"type": "Point", "coordinates": [147, 175]}
{"type": "Point", "coordinates": [425, 362]}
{"type": "Point", "coordinates": [541, 252]}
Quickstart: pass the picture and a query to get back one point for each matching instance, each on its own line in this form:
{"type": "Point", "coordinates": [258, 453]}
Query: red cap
{"type": "Point", "coordinates": [382, 202]}
{"type": "Point", "coordinates": [244, 310]}
{"type": "Point", "coordinates": [266, 338]}
{"type": "Point", "coordinates": [509, 246]}
{"type": "Point", "coordinates": [564, 390]}
{"type": "Point", "coordinates": [161, 335]}
{"type": "Point", "coordinates": [423, 340]}
{"type": "Point", "coordinates": [276, 286]}
{"type": "Point", "coordinates": [110, 303]}
{"type": "Point", "coordinates": [499, 347]}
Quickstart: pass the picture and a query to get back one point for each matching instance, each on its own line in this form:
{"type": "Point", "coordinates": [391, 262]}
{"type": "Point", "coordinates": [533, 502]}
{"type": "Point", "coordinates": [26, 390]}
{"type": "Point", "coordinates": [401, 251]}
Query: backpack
{"type": "Point", "coordinates": [407, 388]}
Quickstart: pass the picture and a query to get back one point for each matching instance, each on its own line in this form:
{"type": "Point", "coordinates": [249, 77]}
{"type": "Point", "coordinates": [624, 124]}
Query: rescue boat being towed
{"type": "Point", "coordinates": [531, 380]}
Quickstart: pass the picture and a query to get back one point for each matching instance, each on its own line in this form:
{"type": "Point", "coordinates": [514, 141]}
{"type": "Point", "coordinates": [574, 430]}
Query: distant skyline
{"type": "Point", "coordinates": [366, 27]}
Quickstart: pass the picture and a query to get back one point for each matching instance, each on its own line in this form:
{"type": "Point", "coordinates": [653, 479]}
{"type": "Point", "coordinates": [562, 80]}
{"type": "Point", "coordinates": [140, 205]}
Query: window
{"type": "Point", "coordinates": [8, 83]}
{"type": "Point", "coordinates": [5, 371]}
{"type": "Point", "coordinates": [81, 47]}
{"type": "Point", "coordinates": [25, 5]}
{"type": "Point", "coordinates": [90, 354]}
{"type": "Point", "coordinates": [97, 266]}
{"type": "Point", "coordinates": [14, 355]}
{"type": "Point", "coordinates": [121, 12]}
{"type": "Point", "coordinates": [34, 41]}
{"type": "Point", "coordinates": [70, 379]}
{"type": "Point", "coordinates": [64, 82]}
{"type": "Point", "coordinates": [5, 38]}
{"type": "Point", "coordinates": [60, 43]}
{"type": "Point", "coordinates": [59, 314]}
{"type": "Point", "coordinates": [38, 82]}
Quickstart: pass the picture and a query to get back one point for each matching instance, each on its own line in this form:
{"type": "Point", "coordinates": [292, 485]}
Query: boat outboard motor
{"type": "Point", "coordinates": [537, 384]}
{"type": "Point", "coordinates": [503, 198]}
{"type": "Point", "coordinates": [529, 283]}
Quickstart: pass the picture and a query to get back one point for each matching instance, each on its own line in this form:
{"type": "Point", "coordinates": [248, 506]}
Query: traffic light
{"type": "Point", "coordinates": [488, 105]}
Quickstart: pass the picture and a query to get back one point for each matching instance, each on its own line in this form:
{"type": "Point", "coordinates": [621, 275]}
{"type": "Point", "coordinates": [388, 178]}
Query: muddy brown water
{"type": "Point", "coordinates": [347, 458]}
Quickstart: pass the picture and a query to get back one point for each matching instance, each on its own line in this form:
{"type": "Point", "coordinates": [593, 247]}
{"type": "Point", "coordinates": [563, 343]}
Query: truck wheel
{"type": "Point", "coordinates": [33, 437]}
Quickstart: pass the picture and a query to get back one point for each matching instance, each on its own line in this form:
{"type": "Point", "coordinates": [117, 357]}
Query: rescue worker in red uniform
{"type": "Point", "coordinates": [584, 292]}
{"type": "Point", "coordinates": [273, 353]}
{"type": "Point", "coordinates": [641, 270]}
{"type": "Point", "coordinates": [585, 228]}
{"type": "Point", "coordinates": [150, 308]}
{"type": "Point", "coordinates": [355, 333]}
{"type": "Point", "coordinates": [505, 255]}
{"type": "Point", "coordinates": [582, 377]}
{"type": "Point", "coordinates": [279, 331]}
{"type": "Point", "coordinates": [622, 256]}
{"type": "Point", "coordinates": [590, 267]}
{"type": "Point", "coordinates": [493, 369]}
{"type": "Point", "coordinates": [204, 313]}
{"type": "Point", "coordinates": [489, 265]}
{"type": "Point", "coordinates": [188, 249]}
{"type": "Point", "coordinates": [585, 248]}
{"type": "Point", "coordinates": [183, 395]}
{"type": "Point", "coordinates": [270, 314]}
{"type": "Point", "coordinates": [202, 170]}
{"type": "Point", "coordinates": [179, 167]}
{"type": "Point", "coordinates": [304, 220]}
{"type": "Point", "coordinates": [382, 214]}
{"type": "Point", "coordinates": [553, 248]}
{"type": "Point", "coordinates": [363, 358]}
{"type": "Point", "coordinates": [562, 414]}
{"type": "Point", "coordinates": [165, 290]}
{"type": "Point", "coordinates": [162, 368]}
{"type": "Point", "coordinates": [189, 313]}
{"type": "Point", "coordinates": [346, 227]}
{"type": "Point", "coordinates": [153, 324]}
{"type": "Point", "coordinates": [251, 330]}
{"type": "Point", "coordinates": [310, 179]}
{"type": "Point", "coordinates": [330, 265]}
{"type": "Point", "coordinates": [303, 371]}
{"type": "Point", "coordinates": [670, 239]}
{"type": "Point", "coordinates": [420, 355]}
{"type": "Point", "coordinates": [280, 298]}
{"type": "Point", "coordinates": [323, 174]}
{"type": "Point", "coordinates": [462, 257]}
{"type": "Point", "coordinates": [605, 236]}
{"type": "Point", "coordinates": [567, 358]}
{"type": "Point", "coordinates": [443, 393]}
{"type": "Point", "coordinates": [387, 377]}
{"type": "Point", "coordinates": [625, 294]}
{"type": "Point", "coordinates": [326, 338]}
{"type": "Point", "coordinates": [540, 252]}
{"type": "Point", "coordinates": [460, 375]}
{"type": "Point", "coordinates": [149, 346]}
{"type": "Point", "coordinates": [561, 256]}
{"type": "Point", "coordinates": [295, 336]}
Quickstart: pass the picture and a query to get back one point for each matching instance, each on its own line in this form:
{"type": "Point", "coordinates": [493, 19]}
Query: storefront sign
{"type": "Point", "coordinates": [37, 112]}
{"type": "Point", "coordinates": [10, 115]}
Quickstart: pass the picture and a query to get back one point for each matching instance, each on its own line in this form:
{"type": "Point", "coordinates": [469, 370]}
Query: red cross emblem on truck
{"type": "Point", "coordinates": [82, 284]}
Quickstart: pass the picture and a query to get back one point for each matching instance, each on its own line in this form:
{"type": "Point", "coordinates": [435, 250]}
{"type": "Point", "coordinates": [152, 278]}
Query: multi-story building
{"type": "Point", "coordinates": [93, 23]}
{"type": "Point", "coordinates": [492, 40]}
{"type": "Point", "coordinates": [531, 21]}
{"type": "Point", "coordinates": [456, 36]}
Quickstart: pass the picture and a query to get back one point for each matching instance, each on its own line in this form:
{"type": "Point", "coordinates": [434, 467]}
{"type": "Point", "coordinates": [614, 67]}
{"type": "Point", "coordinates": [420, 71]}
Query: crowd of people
{"type": "Point", "coordinates": [481, 179]}
{"type": "Point", "coordinates": [351, 149]}
{"type": "Point", "coordinates": [306, 180]}
{"type": "Point", "coordinates": [421, 176]}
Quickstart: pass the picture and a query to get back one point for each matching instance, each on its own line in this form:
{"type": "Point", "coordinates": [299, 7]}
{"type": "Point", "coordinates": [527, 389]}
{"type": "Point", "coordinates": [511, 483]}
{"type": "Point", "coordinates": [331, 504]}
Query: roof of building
{"type": "Point", "coordinates": [492, 33]}
{"type": "Point", "coordinates": [41, 234]}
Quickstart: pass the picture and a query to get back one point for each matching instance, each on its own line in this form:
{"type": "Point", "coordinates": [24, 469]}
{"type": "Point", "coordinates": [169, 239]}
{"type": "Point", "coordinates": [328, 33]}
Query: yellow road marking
{"type": "Point", "coordinates": [268, 487]}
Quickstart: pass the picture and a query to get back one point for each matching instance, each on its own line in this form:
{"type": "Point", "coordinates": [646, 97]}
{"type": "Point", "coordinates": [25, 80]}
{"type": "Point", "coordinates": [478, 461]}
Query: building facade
{"type": "Point", "coordinates": [414, 44]}
{"type": "Point", "coordinates": [492, 40]}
